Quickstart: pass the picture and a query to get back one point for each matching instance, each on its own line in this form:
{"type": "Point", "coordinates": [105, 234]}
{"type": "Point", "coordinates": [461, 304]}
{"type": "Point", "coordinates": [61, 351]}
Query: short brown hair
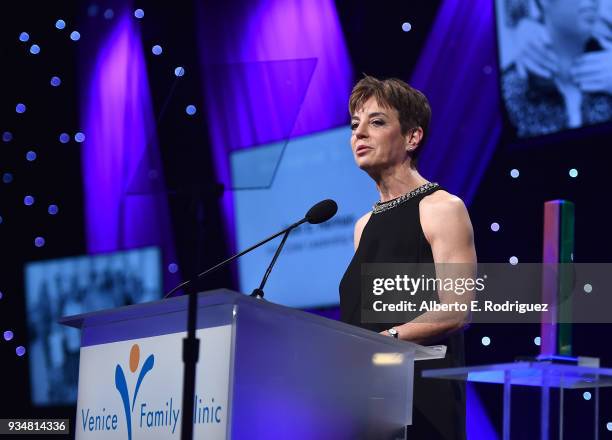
{"type": "Point", "coordinates": [411, 105]}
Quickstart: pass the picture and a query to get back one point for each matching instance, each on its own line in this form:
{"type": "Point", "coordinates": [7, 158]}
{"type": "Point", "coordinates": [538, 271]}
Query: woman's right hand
{"type": "Point", "coordinates": [534, 53]}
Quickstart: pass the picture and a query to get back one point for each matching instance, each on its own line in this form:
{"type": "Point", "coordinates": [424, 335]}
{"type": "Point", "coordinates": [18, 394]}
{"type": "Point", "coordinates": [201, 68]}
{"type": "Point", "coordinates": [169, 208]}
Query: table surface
{"type": "Point", "coordinates": [536, 374]}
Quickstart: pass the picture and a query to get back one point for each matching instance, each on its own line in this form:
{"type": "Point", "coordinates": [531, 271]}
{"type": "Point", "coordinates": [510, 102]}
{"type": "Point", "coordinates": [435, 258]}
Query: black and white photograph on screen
{"type": "Point", "coordinates": [556, 63]}
{"type": "Point", "coordinates": [72, 286]}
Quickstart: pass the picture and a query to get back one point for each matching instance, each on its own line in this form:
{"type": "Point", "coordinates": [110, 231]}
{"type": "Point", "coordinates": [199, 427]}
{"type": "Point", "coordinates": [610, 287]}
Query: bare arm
{"type": "Point", "coordinates": [447, 227]}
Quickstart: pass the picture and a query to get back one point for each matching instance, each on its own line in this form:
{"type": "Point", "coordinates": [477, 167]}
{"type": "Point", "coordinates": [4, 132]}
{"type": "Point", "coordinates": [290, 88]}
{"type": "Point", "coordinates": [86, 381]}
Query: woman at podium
{"type": "Point", "coordinates": [415, 221]}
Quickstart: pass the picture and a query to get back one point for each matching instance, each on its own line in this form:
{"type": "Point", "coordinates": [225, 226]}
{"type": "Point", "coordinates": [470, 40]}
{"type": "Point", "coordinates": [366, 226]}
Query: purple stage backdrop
{"type": "Point", "coordinates": [272, 69]}
{"type": "Point", "coordinates": [457, 70]}
{"type": "Point", "coordinates": [125, 202]}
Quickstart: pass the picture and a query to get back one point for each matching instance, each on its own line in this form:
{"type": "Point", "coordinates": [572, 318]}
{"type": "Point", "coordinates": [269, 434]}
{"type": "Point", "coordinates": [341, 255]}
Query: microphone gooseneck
{"type": "Point", "coordinates": [318, 213]}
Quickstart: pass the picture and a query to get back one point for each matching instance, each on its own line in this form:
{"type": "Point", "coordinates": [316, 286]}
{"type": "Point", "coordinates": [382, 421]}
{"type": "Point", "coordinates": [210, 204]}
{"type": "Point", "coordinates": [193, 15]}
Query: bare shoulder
{"type": "Point", "coordinates": [359, 225]}
{"type": "Point", "coordinates": [441, 202]}
{"type": "Point", "coordinates": [442, 211]}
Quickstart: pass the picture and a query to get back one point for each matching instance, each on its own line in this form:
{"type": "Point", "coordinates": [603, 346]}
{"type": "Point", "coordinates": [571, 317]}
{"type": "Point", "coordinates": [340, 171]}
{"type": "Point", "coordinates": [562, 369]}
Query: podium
{"type": "Point", "coordinates": [265, 372]}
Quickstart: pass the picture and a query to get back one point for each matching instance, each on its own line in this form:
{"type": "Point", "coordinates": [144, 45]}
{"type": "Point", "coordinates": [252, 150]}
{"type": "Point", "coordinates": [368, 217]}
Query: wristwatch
{"type": "Point", "coordinates": [393, 332]}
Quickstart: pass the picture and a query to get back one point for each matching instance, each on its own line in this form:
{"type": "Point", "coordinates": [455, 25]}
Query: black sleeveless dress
{"type": "Point", "coordinates": [396, 236]}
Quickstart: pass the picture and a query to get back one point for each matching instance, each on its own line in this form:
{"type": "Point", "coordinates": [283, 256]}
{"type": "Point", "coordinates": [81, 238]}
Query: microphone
{"type": "Point", "coordinates": [318, 213]}
{"type": "Point", "coordinates": [321, 212]}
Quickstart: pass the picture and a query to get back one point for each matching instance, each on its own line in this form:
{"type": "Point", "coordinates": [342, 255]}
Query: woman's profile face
{"type": "Point", "coordinates": [377, 141]}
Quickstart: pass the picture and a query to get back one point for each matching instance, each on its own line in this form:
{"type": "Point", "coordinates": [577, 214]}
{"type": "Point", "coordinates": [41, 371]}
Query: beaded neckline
{"type": "Point", "coordinates": [390, 204]}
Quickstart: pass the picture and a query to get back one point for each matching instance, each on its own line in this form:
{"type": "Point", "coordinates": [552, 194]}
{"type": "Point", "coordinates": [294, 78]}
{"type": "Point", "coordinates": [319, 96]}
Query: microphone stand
{"type": "Point", "coordinates": [319, 213]}
{"type": "Point", "coordinates": [259, 293]}
{"type": "Point", "coordinates": [191, 352]}
{"type": "Point", "coordinates": [191, 344]}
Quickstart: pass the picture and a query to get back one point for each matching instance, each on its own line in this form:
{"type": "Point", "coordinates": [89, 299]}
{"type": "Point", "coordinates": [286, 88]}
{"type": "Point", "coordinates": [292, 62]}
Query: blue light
{"type": "Point", "coordinates": [79, 137]}
{"type": "Point", "coordinates": [24, 36]}
{"type": "Point", "coordinates": [64, 138]}
{"type": "Point", "coordinates": [1, 295]}
{"type": "Point", "coordinates": [31, 156]}
{"type": "Point", "coordinates": [75, 36]}
{"type": "Point", "coordinates": [35, 49]}
{"type": "Point", "coordinates": [537, 341]}
{"type": "Point", "coordinates": [138, 13]}
{"type": "Point", "coordinates": [172, 267]}
{"type": "Point", "coordinates": [60, 24]}
{"type": "Point", "coordinates": [157, 49]}
{"type": "Point", "coordinates": [20, 108]}
{"type": "Point", "coordinates": [179, 71]}
{"type": "Point", "coordinates": [92, 10]}
{"type": "Point", "coordinates": [513, 261]}
{"type": "Point", "coordinates": [573, 172]}
{"type": "Point", "coordinates": [586, 395]}
{"type": "Point", "coordinates": [406, 27]}
{"type": "Point", "coordinates": [7, 177]}
{"type": "Point", "coordinates": [190, 110]}
{"type": "Point", "coordinates": [55, 81]}
{"type": "Point", "coordinates": [20, 350]}
{"type": "Point", "coordinates": [588, 288]}
{"type": "Point", "coordinates": [109, 13]}
{"type": "Point", "coordinates": [514, 173]}
{"type": "Point", "coordinates": [28, 200]}
{"type": "Point", "coordinates": [39, 242]}
{"type": "Point", "coordinates": [7, 136]}
{"type": "Point", "coordinates": [8, 335]}
{"type": "Point", "coordinates": [53, 209]}
{"type": "Point", "coordinates": [486, 341]}
{"type": "Point", "coordinates": [495, 226]}
{"type": "Point", "coordinates": [609, 426]}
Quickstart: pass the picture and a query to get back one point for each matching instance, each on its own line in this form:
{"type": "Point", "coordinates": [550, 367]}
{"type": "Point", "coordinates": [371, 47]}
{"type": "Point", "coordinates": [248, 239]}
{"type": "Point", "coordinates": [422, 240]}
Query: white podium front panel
{"type": "Point", "coordinates": [132, 389]}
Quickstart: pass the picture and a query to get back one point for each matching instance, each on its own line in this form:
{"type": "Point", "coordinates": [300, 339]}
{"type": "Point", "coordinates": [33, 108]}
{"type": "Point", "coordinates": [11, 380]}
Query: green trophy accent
{"type": "Point", "coordinates": [557, 278]}
{"type": "Point", "coordinates": [566, 277]}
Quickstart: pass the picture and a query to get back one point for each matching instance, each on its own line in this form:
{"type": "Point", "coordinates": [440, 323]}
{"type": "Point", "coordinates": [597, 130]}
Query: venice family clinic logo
{"type": "Point", "coordinates": [122, 387]}
{"type": "Point", "coordinates": [152, 413]}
